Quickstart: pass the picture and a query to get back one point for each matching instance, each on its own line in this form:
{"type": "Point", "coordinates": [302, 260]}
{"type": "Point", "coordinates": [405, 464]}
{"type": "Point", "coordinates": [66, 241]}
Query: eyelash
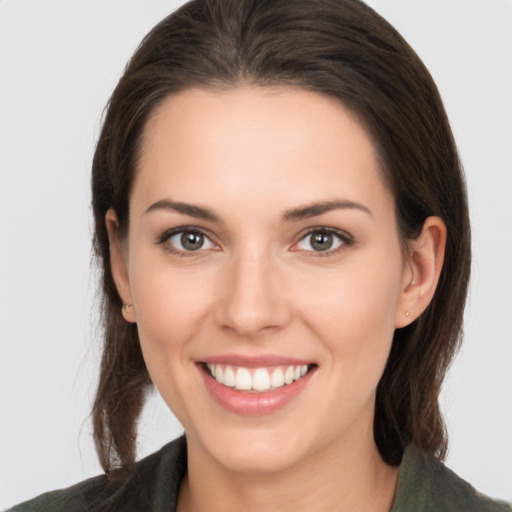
{"type": "Point", "coordinates": [166, 235]}
{"type": "Point", "coordinates": [345, 239]}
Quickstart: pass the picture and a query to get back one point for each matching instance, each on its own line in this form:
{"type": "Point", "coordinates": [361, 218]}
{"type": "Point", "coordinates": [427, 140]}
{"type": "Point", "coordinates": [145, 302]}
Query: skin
{"type": "Point", "coordinates": [258, 287]}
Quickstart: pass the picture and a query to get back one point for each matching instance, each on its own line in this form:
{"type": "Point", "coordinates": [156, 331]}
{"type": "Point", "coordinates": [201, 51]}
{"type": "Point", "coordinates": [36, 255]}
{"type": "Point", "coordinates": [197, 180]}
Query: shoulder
{"type": "Point", "coordinates": [427, 485]}
{"type": "Point", "coordinates": [72, 498]}
{"type": "Point", "coordinates": [153, 483]}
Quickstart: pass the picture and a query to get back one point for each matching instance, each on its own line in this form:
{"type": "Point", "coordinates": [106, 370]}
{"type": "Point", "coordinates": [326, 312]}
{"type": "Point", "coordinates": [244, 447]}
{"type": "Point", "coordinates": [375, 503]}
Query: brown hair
{"type": "Point", "coordinates": [339, 48]}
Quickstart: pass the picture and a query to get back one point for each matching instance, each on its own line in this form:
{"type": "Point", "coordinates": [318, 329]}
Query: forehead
{"type": "Point", "coordinates": [280, 141]}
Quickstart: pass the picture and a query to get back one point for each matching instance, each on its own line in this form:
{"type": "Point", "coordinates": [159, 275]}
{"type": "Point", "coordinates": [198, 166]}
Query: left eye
{"type": "Point", "coordinates": [321, 240]}
{"type": "Point", "coordinates": [189, 241]}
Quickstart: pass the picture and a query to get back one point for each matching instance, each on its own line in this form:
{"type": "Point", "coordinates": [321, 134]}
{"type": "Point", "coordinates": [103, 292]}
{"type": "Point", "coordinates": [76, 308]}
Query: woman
{"type": "Point", "coordinates": [282, 224]}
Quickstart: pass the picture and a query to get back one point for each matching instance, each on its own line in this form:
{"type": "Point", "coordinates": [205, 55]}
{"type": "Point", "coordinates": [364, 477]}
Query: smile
{"type": "Point", "coordinates": [256, 379]}
{"type": "Point", "coordinates": [255, 386]}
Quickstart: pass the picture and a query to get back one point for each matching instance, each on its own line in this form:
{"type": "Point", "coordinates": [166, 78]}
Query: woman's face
{"type": "Point", "coordinates": [263, 244]}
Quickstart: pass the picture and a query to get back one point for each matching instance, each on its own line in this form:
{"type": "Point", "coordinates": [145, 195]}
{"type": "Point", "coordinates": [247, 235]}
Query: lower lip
{"type": "Point", "coordinates": [254, 403]}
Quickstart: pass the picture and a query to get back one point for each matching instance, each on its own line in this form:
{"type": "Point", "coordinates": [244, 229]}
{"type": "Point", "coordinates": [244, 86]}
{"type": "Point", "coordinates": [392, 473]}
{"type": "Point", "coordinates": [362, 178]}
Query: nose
{"type": "Point", "coordinates": [253, 300]}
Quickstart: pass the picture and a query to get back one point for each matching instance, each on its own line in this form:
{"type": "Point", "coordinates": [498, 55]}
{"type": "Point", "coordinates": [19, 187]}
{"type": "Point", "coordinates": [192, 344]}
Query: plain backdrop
{"type": "Point", "coordinates": [59, 61]}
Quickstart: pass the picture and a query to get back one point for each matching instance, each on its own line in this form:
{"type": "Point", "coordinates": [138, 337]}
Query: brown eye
{"type": "Point", "coordinates": [192, 241]}
{"type": "Point", "coordinates": [323, 240]}
{"type": "Point", "coordinates": [188, 241]}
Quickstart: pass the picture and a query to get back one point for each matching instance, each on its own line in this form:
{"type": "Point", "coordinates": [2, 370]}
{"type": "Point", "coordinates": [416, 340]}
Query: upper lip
{"type": "Point", "coordinates": [255, 361]}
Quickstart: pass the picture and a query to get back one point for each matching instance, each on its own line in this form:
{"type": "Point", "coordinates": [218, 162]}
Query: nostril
{"type": "Point", "coordinates": [250, 320]}
{"type": "Point", "coordinates": [250, 302]}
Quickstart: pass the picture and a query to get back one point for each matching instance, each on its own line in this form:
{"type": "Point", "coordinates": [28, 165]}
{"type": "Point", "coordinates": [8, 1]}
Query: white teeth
{"type": "Point", "coordinates": [243, 379]}
{"type": "Point", "coordinates": [261, 380]}
{"type": "Point", "coordinates": [229, 377]}
{"type": "Point", "coordinates": [258, 379]}
{"type": "Point", "coordinates": [288, 376]}
{"type": "Point", "coordinates": [219, 374]}
{"type": "Point", "coordinates": [277, 379]}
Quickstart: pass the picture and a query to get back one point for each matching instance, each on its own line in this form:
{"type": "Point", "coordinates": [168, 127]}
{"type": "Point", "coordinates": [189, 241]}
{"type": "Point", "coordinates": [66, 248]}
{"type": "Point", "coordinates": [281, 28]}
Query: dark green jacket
{"type": "Point", "coordinates": [424, 485]}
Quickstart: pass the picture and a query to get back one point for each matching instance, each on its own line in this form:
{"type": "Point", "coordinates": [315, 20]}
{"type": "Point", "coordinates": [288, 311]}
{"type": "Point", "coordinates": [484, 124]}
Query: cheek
{"type": "Point", "coordinates": [170, 310]}
{"type": "Point", "coordinates": [170, 314]}
{"type": "Point", "coordinates": [353, 313]}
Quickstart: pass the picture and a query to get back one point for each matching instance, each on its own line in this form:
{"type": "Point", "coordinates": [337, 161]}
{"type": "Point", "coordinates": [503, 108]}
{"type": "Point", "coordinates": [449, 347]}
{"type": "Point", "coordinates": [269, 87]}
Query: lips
{"type": "Point", "coordinates": [255, 386]}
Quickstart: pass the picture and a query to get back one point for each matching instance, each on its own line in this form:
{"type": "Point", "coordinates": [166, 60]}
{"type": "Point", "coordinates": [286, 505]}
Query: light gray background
{"type": "Point", "coordinates": [59, 61]}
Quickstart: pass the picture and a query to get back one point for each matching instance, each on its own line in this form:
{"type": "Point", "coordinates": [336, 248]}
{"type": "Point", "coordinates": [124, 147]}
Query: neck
{"type": "Point", "coordinates": [346, 476]}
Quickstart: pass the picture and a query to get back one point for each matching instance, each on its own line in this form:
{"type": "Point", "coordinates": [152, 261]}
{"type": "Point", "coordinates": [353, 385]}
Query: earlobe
{"type": "Point", "coordinates": [118, 265]}
{"type": "Point", "coordinates": [425, 260]}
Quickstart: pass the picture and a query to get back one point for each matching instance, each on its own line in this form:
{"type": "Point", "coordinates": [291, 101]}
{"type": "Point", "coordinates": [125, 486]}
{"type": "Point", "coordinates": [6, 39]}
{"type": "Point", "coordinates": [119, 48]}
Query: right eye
{"type": "Point", "coordinates": [186, 241]}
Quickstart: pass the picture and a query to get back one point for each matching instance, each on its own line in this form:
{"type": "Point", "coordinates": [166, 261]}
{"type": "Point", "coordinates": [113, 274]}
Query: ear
{"type": "Point", "coordinates": [118, 264]}
{"type": "Point", "coordinates": [423, 268]}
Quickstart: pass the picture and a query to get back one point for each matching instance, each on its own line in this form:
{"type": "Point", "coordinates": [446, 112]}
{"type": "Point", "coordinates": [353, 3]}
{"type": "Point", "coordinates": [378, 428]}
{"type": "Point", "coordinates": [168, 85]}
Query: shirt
{"type": "Point", "coordinates": [424, 485]}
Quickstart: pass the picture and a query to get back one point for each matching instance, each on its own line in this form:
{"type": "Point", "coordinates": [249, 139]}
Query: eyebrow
{"type": "Point", "coordinates": [314, 209]}
{"type": "Point", "coordinates": [191, 210]}
{"type": "Point", "coordinates": [291, 215]}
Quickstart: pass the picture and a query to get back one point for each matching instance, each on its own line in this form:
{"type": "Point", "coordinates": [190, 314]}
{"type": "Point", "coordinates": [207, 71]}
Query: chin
{"type": "Point", "coordinates": [256, 450]}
